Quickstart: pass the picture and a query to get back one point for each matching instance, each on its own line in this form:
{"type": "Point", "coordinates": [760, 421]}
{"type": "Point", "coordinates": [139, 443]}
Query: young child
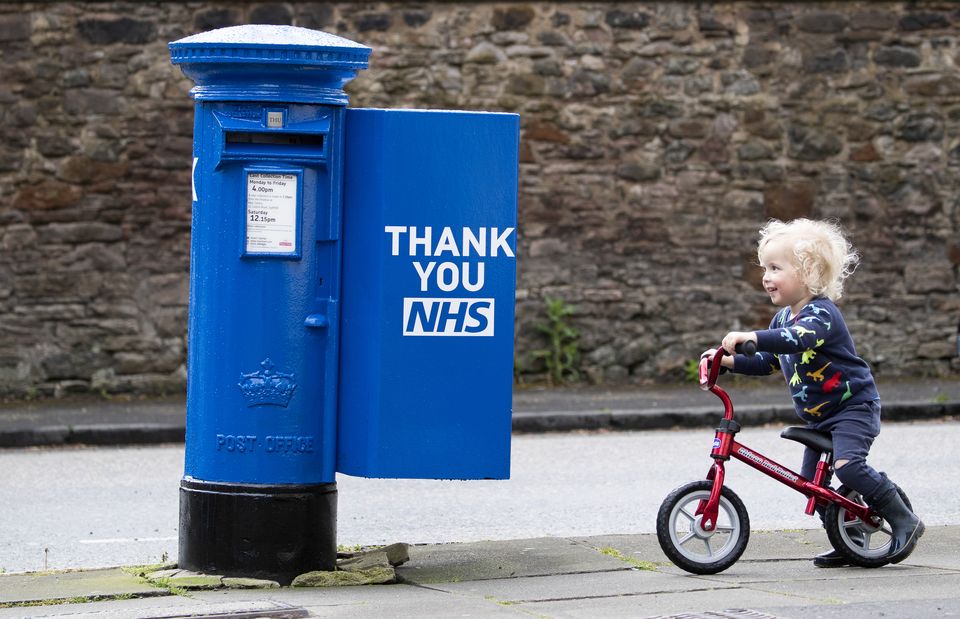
{"type": "Point", "coordinates": [804, 265]}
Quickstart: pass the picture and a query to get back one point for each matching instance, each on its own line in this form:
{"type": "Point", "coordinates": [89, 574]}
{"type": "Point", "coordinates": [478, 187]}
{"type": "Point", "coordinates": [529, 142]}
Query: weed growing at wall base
{"type": "Point", "coordinates": [562, 353]}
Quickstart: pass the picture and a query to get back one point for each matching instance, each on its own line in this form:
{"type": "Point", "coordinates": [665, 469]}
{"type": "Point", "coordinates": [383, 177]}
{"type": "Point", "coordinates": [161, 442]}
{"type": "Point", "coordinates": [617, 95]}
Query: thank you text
{"type": "Point", "coordinates": [449, 260]}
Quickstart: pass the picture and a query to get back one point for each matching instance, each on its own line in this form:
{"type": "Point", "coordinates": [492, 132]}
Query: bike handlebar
{"type": "Point", "coordinates": [710, 366]}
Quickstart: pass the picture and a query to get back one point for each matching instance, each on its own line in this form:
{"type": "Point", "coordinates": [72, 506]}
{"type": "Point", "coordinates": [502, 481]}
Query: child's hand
{"type": "Point", "coordinates": [726, 361]}
{"type": "Point", "coordinates": [733, 338]}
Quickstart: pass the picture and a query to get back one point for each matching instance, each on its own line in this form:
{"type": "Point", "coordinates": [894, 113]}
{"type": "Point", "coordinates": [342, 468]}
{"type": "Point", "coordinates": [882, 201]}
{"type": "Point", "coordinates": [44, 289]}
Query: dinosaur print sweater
{"type": "Point", "coordinates": [816, 354]}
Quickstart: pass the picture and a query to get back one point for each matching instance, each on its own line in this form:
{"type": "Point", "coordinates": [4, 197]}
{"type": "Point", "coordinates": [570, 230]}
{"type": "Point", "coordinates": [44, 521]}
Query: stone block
{"type": "Point", "coordinates": [944, 349]}
{"type": "Point", "coordinates": [109, 30]}
{"type": "Point", "coordinates": [397, 554]}
{"type": "Point", "coordinates": [932, 276]}
{"type": "Point", "coordinates": [632, 20]}
{"type": "Point", "coordinates": [920, 20]}
{"type": "Point", "coordinates": [833, 61]}
{"type": "Point", "coordinates": [373, 21]}
{"type": "Point", "coordinates": [213, 18]}
{"type": "Point", "coordinates": [47, 195]}
{"type": "Point", "coordinates": [14, 28]}
{"type": "Point", "coordinates": [371, 576]}
{"type": "Point", "coordinates": [897, 56]}
{"type": "Point", "coordinates": [273, 13]}
{"type": "Point", "coordinates": [873, 20]}
{"type": "Point", "coordinates": [921, 127]}
{"type": "Point", "coordinates": [249, 583]}
{"type": "Point", "coordinates": [512, 18]}
{"type": "Point", "coordinates": [813, 143]}
{"type": "Point", "coordinates": [80, 232]}
{"type": "Point", "coordinates": [822, 23]}
{"type": "Point", "coordinates": [790, 201]}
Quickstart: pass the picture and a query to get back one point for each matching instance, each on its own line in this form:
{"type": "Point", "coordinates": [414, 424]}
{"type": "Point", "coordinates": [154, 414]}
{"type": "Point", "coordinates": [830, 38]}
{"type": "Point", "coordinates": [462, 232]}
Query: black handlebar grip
{"type": "Point", "coordinates": [748, 348]}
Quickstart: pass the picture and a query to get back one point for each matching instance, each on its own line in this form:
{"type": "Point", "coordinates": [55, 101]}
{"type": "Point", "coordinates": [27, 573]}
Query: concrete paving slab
{"type": "Point", "coordinates": [503, 559]}
{"type": "Point", "coordinates": [693, 602]}
{"type": "Point", "coordinates": [944, 607]}
{"type": "Point", "coordinates": [168, 608]}
{"type": "Point", "coordinates": [763, 545]}
{"type": "Point", "coordinates": [889, 586]}
{"type": "Point", "coordinates": [576, 586]}
{"type": "Point", "coordinates": [937, 549]}
{"type": "Point", "coordinates": [108, 609]}
{"type": "Point", "coordinates": [803, 572]}
{"type": "Point", "coordinates": [373, 601]}
{"type": "Point", "coordinates": [39, 587]}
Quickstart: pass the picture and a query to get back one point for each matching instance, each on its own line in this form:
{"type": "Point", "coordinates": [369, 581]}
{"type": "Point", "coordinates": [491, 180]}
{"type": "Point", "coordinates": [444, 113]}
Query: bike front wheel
{"type": "Point", "coordinates": [683, 538]}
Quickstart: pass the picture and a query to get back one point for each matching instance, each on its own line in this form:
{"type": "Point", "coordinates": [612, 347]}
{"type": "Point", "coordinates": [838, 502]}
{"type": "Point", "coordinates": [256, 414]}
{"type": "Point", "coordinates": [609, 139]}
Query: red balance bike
{"type": "Point", "coordinates": [703, 526]}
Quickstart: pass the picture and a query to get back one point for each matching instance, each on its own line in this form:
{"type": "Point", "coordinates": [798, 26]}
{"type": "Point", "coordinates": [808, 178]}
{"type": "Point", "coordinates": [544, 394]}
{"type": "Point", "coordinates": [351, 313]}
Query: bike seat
{"type": "Point", "coordinates": [814, 439]}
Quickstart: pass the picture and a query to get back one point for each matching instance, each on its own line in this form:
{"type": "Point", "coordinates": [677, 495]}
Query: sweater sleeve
{"type": "Point", "coordinates": [762, 363]}
{"type": "Point", "coordinates": [810, 330]}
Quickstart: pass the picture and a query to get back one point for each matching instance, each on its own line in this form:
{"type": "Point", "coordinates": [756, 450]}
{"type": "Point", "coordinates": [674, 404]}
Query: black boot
{"type": "Point", "coordinates": [905, 526]}
{"type": "Point", "coordinates": [830, 559]}
{"type": "Point", "coordinates": [833, 558]}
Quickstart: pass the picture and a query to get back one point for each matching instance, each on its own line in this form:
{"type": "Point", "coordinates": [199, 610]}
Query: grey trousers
{"type": "Point", "coordinates": [853, 429]}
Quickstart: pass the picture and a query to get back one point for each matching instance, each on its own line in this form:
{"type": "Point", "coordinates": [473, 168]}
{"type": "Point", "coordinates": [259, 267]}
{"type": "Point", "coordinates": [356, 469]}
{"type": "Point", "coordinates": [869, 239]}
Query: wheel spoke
{"type": "Point", "coordinates": [725, 528]}
{"type": "Point", "coordinates": [689, 516]}
{"type": "Point", "coordinates": [849, 524]}
{"type": "Point", "coordinates": [866, 540]}
{"type": "Point", "coordinates": [706, 543]}
{"type": "Point", "coordinates": [685, 539]}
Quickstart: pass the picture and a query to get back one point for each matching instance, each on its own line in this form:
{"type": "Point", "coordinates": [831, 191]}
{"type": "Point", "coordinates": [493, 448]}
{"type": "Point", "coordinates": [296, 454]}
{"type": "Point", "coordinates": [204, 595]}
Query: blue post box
{"type": "Point", "coordinates": [429, 280]}
{"type": "Point", "coordinates": [258, 496]}
{"type": "Point", "coordinates": [351, 296]}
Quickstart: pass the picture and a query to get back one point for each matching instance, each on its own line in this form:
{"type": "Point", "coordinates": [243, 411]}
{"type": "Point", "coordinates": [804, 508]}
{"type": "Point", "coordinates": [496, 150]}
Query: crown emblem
{"type": "Point", "coordinates": [267, 387]}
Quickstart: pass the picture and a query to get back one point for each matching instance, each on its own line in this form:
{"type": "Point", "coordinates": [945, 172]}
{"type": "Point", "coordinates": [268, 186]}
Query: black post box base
{"type": "Point", "coordinates": [274, 532]}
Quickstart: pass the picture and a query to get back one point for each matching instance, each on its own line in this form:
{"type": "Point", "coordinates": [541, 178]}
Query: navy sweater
{"type": "Point", "coordinates": [819, 362]}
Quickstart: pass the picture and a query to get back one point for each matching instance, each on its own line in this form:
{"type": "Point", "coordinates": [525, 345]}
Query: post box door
{"type": "Point", "coordinates": [264, 294]}
{"type": "Point", "coordinates": [428, 289]}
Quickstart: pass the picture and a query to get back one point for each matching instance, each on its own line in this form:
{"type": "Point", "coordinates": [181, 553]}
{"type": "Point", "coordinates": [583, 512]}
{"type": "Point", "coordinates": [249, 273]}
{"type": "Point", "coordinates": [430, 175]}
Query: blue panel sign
{"type": "Point", "coordinates": [429, 280]}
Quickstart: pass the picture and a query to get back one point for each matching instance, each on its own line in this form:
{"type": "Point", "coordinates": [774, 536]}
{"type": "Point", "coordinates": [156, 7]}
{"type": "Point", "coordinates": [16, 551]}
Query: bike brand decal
{"type": "Point", "coordinates": [716, 443]}
{"type": "Point", "coordinates": [779, 470]}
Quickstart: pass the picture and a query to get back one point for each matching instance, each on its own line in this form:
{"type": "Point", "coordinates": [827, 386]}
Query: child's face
{"type": "Point", "coordinates": [781, 280]}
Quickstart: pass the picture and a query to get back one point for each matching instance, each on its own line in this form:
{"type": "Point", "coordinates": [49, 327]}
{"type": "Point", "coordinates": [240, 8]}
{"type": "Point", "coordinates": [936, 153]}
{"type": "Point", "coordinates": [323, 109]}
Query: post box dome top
{"type": "Point", "coordinates": [261, 43]}
{"type": "Point", "coordinates": [265, 62]}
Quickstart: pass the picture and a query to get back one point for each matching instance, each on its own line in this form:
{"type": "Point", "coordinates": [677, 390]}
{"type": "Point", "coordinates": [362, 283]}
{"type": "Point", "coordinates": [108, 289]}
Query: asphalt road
{"type": "Point", "coordinates": [89, 507]}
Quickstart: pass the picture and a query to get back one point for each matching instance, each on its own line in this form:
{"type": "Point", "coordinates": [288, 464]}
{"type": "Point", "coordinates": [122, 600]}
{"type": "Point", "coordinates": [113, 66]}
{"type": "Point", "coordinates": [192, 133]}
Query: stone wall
{"type": "Point", "coordinates": [657, 138]}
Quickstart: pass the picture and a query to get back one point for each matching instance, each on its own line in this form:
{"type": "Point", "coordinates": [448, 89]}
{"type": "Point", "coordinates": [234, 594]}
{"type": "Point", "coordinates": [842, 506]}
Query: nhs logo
{"type": "Point", "coordinates": [446, 316]}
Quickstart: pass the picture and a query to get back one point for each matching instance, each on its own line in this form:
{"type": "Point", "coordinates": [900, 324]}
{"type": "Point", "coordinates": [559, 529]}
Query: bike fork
{"type": "Point", "coordinates": [711, 507]}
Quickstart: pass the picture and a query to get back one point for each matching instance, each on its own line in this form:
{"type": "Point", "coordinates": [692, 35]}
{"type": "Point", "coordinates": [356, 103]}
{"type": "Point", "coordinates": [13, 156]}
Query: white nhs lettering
{"type": "Point", "coordinates": [457, 317]}
{"type": "Point", "coordinates": [481, 242]}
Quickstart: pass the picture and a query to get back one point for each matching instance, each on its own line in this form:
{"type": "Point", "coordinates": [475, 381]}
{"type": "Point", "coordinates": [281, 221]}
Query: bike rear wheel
{"type": "Point", "coordinates": [865, 544]}
{"type": "Point", "coordinates": [683, 538]}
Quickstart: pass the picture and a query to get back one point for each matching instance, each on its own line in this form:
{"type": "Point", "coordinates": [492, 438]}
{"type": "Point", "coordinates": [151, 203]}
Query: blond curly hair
{"type": "Point", "coordinates": [822, 254]}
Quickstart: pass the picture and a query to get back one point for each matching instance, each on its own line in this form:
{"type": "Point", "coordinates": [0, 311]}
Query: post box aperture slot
{"type": "Point", "coordinates": [273, 138]}
{"type": "Point", "coordinates": [273, 145]}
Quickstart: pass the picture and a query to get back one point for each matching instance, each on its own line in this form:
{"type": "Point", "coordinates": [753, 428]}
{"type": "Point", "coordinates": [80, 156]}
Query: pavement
{"type": "Point", "coordinates": [605, 576]}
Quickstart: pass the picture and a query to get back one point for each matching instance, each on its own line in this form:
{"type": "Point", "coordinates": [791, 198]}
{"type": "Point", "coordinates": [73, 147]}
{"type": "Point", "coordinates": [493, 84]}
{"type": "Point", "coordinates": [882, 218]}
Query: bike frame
{"type": "Point", "coordinates": [725, 447]}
